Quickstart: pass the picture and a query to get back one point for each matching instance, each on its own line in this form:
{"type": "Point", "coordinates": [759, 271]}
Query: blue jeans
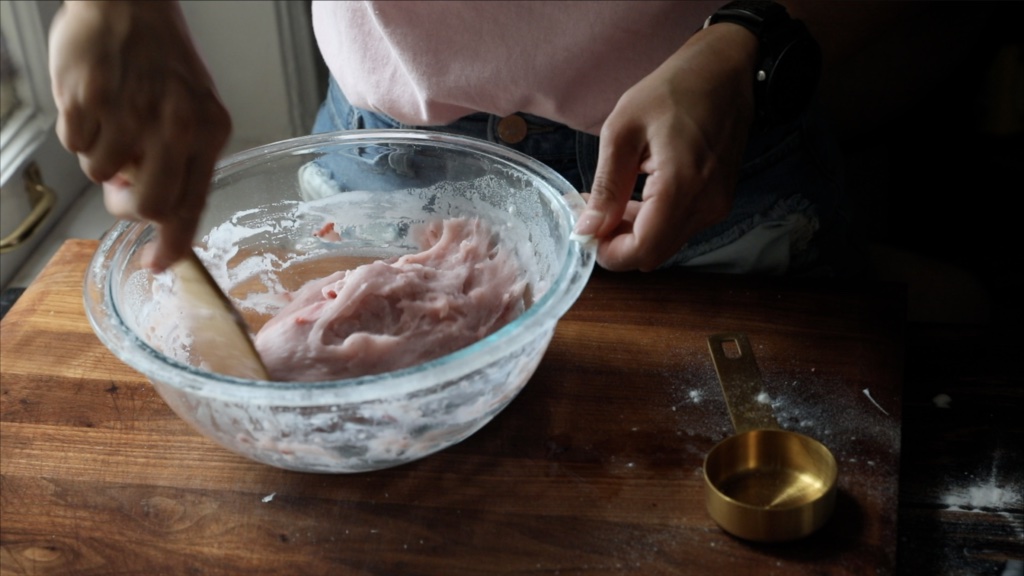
{"type": "Point", "coordinates": [788, 214]}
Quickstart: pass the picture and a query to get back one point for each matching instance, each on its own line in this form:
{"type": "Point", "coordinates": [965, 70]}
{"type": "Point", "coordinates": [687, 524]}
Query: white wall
{"type": "Point", "coordinates": [242, 42]}
{"type": "Point", "coordinates": [262, 57]}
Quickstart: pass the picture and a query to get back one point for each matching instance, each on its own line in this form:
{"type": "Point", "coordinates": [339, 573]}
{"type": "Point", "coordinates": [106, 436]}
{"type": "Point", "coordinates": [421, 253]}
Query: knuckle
{"type": "Point", "coordinates": [649, 256]}
{"type": "Point", "coordinates": [70, 131]}
{"type": "Point", "coordinates": [217, 125]}
{"type": "Point", "coordinates": [96, 168]}
{"type": "Point", "coordinates": [178, 121]}
{"type": "Point", "coordinates": [93, 94]}
{"type": "Point", "coordinates": [601, 189]}
{"type": "Point", "coordinates": [66, 135]}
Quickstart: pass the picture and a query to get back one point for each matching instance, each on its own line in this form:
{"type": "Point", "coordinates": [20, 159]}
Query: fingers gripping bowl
{"type": "Point", "coordinates": [263, 236]}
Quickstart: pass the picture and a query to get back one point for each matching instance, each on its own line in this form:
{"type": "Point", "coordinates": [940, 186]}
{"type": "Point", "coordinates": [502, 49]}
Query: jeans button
{"type": "Point", "coordinates": [512, 129]}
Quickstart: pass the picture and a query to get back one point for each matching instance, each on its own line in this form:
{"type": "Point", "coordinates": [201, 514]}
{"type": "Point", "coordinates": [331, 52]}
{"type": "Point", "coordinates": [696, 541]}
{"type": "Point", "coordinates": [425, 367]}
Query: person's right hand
{"type": "Point", "coordinates": [137, 105]}
{"type": "Point", "coordinates": [686, 126]}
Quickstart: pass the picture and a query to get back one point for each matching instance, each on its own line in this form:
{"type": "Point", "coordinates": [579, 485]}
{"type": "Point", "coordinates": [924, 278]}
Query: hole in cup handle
{"type": "Point", "coordinates": [740, 379]}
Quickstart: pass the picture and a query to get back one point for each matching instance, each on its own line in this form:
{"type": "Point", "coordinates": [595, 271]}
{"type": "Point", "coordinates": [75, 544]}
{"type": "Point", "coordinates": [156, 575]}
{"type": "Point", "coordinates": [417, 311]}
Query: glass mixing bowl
{"type": "Point", "coordinates": [283, 214]}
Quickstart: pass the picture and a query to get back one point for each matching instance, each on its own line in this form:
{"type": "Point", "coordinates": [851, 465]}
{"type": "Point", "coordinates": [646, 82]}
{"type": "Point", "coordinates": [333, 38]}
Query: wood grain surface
{"type": "Point", "coordinates": [594, 469]}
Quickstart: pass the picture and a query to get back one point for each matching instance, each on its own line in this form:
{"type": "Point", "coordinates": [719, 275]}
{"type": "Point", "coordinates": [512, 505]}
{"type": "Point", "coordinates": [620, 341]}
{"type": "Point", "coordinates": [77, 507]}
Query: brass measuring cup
{"type": "Point", "coordinates": [763, 484]}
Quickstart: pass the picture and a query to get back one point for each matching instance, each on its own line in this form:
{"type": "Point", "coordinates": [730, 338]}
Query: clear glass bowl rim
{"type": "Point", "coordinates": [538, 321]}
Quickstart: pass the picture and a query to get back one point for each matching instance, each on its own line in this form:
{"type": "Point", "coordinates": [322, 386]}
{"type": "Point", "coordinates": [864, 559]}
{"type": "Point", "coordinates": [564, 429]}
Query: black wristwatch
{"type": "Point", "coordinates": [789, 59]}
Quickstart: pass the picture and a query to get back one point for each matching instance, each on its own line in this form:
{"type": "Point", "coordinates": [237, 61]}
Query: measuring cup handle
{"type": "Point", "coordinates": [740, 379]}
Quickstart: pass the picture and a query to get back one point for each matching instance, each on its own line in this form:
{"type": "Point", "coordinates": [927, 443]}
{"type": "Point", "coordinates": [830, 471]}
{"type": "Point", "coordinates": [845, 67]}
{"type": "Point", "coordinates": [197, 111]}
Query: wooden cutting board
{"type": "Point", "coordinates": [594, 469]}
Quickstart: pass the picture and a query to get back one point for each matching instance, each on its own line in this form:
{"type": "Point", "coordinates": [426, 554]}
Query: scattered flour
{"type": "Point", "coordinates": [987, 495]}
{"type": "Point", "coordinates": [867, 393]}
{"type": "Point", "coordinates": [999, 492]}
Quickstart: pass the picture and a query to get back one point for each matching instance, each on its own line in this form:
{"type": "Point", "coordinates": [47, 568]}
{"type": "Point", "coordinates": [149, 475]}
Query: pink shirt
{"type": "Point", "coordinates": [432, 62]}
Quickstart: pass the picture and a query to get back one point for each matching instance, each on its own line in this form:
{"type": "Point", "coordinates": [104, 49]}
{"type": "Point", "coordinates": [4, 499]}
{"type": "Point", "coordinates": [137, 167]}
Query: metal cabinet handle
{"type": "Point", "coordinates": [42, 198]}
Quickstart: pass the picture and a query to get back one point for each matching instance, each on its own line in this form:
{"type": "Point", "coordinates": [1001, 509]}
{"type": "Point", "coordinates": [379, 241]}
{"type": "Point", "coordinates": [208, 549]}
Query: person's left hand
{"type": "Point", "coordinates": [685, 125]}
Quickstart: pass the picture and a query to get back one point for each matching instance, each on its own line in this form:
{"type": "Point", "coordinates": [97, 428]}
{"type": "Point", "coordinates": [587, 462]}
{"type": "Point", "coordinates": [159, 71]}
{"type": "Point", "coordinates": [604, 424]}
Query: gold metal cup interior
{"type": "Point", "coordinates": [763, 484]}
{"type": "Point", "coordinates": [770, 485]}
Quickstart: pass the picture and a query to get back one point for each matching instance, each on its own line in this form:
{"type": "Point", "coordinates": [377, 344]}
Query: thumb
{"type": "Point", "coordinates": [618, 163]}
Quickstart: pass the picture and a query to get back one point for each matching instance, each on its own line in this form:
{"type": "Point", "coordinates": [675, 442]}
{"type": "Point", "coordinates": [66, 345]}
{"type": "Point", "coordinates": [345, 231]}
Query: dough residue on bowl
{"type": "Point", "coordinates": [390, 314]}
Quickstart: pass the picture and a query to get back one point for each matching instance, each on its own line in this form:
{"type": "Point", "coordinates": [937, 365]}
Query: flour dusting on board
{"type": "Point", "coordinates": [993, 495]}
{"type": "Point", "coordinates": [805, 399]}
{"type": "Point", "coordinates": [696, 397]}
{"type": "Point", "coordinates": [987, 495]}
{"type": "Point", "coordinates": [995, 491]}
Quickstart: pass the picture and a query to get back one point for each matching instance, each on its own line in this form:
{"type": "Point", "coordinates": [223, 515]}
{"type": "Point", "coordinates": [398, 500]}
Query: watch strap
{"type": "Point", "coordinates": [781, 93]}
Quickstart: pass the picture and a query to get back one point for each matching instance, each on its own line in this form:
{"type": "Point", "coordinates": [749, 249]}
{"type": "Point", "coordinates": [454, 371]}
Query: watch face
{"type": "Point", "coordinates": [792, 79]}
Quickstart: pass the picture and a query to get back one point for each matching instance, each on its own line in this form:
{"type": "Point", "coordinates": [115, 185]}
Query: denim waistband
{"type": "Point", "coordinates": [789, 185]}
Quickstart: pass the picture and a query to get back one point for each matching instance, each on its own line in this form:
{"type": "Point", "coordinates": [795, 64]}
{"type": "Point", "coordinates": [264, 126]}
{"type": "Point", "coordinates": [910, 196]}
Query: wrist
{"type": "Point", "coordinates": [732, 56]}
{"type": "Point", "coordinates": [788, 63]}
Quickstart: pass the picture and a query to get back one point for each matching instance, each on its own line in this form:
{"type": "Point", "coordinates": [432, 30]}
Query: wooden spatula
{"type": "Point", "coordinates": [221, 339]}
